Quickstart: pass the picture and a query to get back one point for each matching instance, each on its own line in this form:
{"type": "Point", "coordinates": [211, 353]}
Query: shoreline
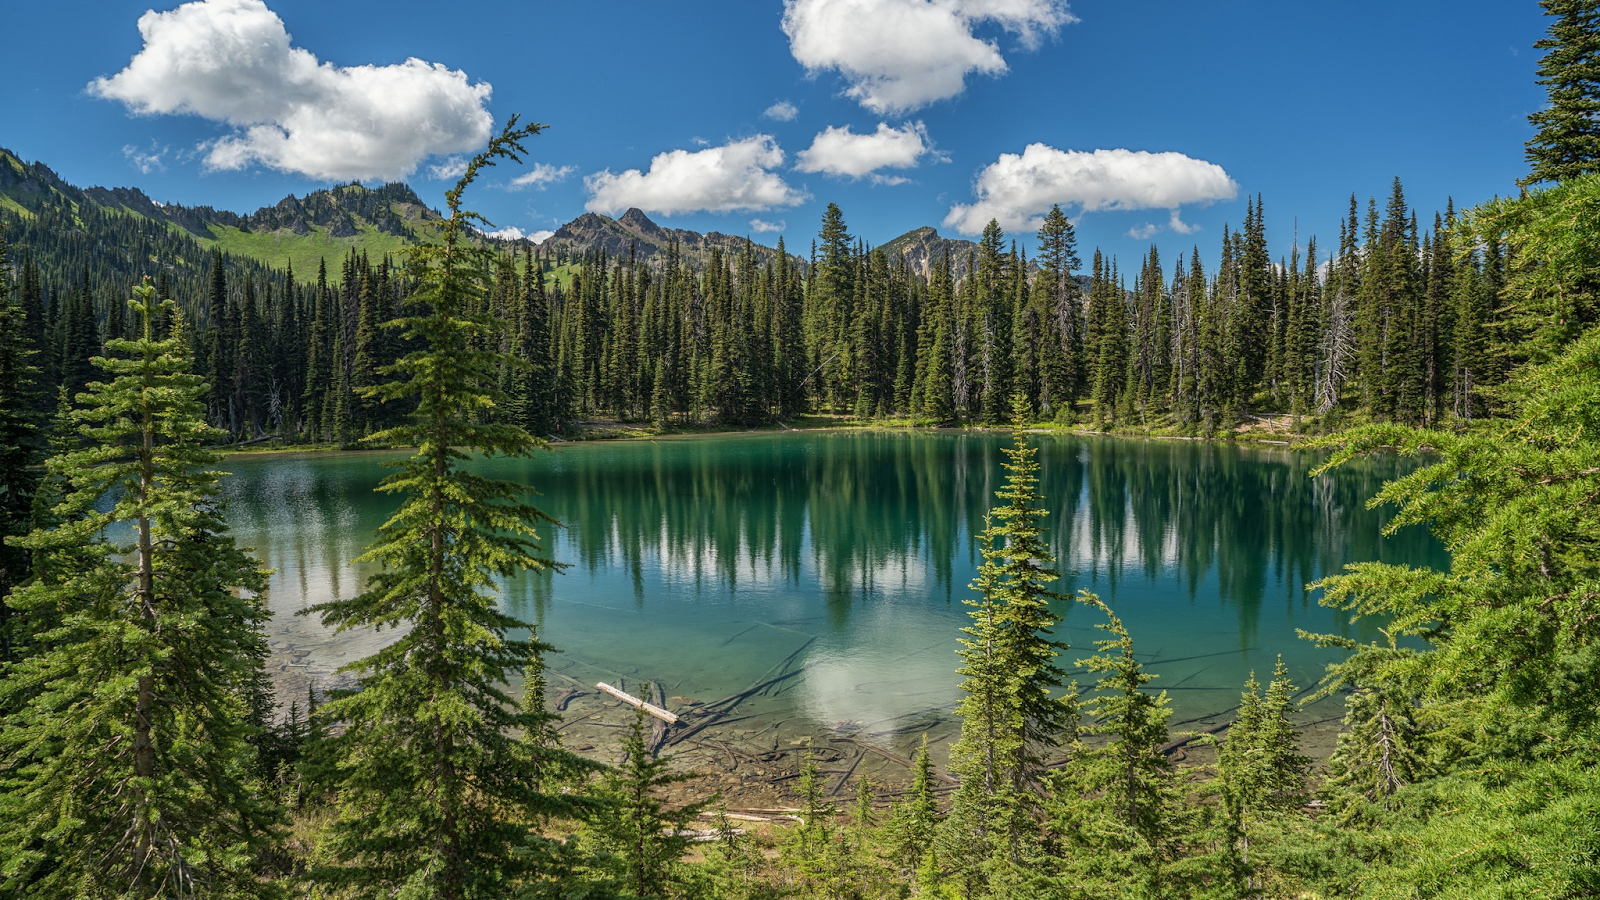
{"type": "Point", "coordinates": [605, 431]}
{"type": "Point", "coordinates": [748, 751]}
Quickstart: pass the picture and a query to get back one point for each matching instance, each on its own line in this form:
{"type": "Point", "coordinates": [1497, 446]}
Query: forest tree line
{"type": "Point", "coordinates": [1396, 322]}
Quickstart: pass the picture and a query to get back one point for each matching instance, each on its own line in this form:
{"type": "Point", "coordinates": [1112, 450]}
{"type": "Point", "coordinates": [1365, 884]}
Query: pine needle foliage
{"type": "Point", "coordinates": [19, 444]}
{"type": "Point", "coordinates": [1116, 810]}
{"type": "Point", "coordinates": [1470, 749]}
{"type": "Point", "coordinates": [1567, 142]}
{"type": "Point", "coordinates": [1552, 279]}
{"type": "Point", "coordinates": [1510, 632]}
{"type": "Point", "coordinates": [1010, 716]}
{"type": "Point", "coordinates": [436, 789]}
{"type": "Point", "coordinates": [641, 840]}
{"type": "Point", "coordinates": [126, 768]}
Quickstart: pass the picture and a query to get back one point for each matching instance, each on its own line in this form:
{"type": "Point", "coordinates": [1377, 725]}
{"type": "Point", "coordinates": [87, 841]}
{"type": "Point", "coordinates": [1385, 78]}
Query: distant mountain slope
{"type": "Point", "coordinates": [324, 224]}
{"type": "Point", "coordinates": [922, 248]}
{"type": "Point", "coordinates": [635, 233]}
{"type": "Point", "coordinates": [328, 224]}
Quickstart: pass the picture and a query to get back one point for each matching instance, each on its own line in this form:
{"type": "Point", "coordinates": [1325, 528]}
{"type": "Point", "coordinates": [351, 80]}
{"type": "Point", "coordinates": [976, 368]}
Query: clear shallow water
{"type": "Point", "coordinates": [703, 563]}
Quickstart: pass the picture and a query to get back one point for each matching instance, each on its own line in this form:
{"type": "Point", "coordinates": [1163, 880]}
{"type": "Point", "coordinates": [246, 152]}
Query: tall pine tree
{"type": "Point", "coordinates": [126, 767]}
{"type": "Point", "coordinates": [436, 791]}
{"type": "Point", "coordinates": [1567, 143]}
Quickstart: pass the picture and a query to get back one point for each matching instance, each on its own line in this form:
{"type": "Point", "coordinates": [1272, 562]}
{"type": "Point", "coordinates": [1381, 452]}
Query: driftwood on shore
{"type": "Point", "coordinates": [703, 835]}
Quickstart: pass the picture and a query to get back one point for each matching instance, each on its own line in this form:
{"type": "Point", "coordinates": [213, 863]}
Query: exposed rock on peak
{"type": "Point", "coordinates": [636, 233]}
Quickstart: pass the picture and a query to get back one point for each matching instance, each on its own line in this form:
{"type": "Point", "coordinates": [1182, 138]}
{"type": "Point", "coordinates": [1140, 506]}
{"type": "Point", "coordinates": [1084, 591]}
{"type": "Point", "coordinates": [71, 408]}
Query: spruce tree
{"type": "Point", "coordinates": [1057, 286]}
{"type": "Point", "coordinates": [1010, 718]}
{"type": "Point", "coordinates": [536, 378]}
{"type": "Point", "coordinates": [19, 442]}
{"type": "Point", "coordinates": [938, 391]}
{"type": "Point", "coordinates": [913, 821]}
{"type": "Point", "coordinates": [1379, 749]}
{"type": "Point", "coordinates": [126, 767]}
{"type": "Point", "coordinates": [992, 320]}
{"type": "Point", "coordinates": [319, 360]}
{"type": "Point", "coordinates": [640, 840]}
{"type": "Point", "coordinates": [1115, 812]}
{"type": "Point", "coordinates": [436, 791]}
{"type": "Point", "coordinates": [1567, 142]}
{"type": "Point", "coordinates": [817, 849]}
{"type": "Point", "coordinates": [1469, 342]}
{"type": "Point", "coordinates": [78, 339]}
{"type": "Point", "coordinates": [1261, 773]}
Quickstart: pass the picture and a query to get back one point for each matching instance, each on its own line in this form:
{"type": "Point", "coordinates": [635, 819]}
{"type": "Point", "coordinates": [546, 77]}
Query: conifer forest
{"type": "Point", "coordinates": [146, 752]}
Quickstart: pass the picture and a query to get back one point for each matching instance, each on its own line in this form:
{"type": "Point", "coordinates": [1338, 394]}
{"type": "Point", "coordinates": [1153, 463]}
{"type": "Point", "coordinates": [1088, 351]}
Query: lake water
{"type": "Point", "coordinates": [707, 563]}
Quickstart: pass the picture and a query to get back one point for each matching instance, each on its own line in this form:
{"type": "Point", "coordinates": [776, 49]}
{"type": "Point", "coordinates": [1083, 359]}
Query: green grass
{"type": "Point", "coordinates": [304, 251]}
{"type": "Point", "coordinates": [561, 275]}
{"type": "Point", "coordinates": [14, 206]}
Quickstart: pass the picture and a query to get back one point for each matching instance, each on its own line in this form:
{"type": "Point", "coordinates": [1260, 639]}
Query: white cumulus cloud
{"type": "Point", "coordinates": [542, 175]}
{"type": "Point", "coordinates": [449, 169]}
{"type": "Point", "coordinates": [1017, 190]}
{"type": "Point", "coordinates": [782, 111]}
{"type": "Point", "coordinates": [1175, 222]}
{"type": "Point", "coordinates": [904, 54]}
{"type": "Point", "coordinates": [513, 233]}
{"type": "Point", "coordinates": [146, 161]}
{"type": "Point", "coordinates": [761, 226]}
{"type": "Point", "coordinates": [231, 61]}
{"type": "Point", "coordinates": [735, 176]}
{"type": "Point", "coordinates": [840, 151]}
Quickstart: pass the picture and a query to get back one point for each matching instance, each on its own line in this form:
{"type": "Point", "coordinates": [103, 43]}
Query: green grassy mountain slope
{"type": "Point", "coordinates": [301, 231]}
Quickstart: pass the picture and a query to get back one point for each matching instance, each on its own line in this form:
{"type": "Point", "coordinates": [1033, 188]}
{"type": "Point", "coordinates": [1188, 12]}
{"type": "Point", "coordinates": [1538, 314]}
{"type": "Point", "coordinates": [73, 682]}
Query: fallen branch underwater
{"type": "Point", "coordinates": [894, 757]}
{"type": "Point", "coordinates": [710, 713]}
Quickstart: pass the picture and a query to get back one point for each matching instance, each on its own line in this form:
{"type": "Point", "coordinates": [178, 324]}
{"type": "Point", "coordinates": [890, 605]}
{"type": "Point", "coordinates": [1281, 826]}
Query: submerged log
{"type": "Point", "coordinates": [714, 712]}
{"type": "Point", "coordinates": [564, 677]}
{"type": "Point", "coordinates": [947, 779]}
{"type": "Point", "coordinates": [710, 713]}
{"type": "Point", "coordinates": [633, 701]}
{"type": "Point", "coordinates": [658, 729]}
{"type": "Point", "coordinates": [721, 707]}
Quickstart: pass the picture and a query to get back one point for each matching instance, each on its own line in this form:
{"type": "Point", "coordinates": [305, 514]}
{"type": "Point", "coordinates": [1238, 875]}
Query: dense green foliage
{"type": "Point", "coordinates": [20, 445]}
{"type": "Point", "coordinates": [1010, 718]}
{"type": "Point", "coordinates": [436, 794]}
{"type": "Point", "coordinates": [126, 755]}
{"type": "Point", "coordinates": [639, 842]}
{"type": "Point", "coordinates": [1568, 140]}
{"type": "Point", "coordinates": [139, 753]}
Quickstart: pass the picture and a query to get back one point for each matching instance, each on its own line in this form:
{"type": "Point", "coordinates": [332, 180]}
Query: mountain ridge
{"type": "Point", "coordinates": [326, 224]}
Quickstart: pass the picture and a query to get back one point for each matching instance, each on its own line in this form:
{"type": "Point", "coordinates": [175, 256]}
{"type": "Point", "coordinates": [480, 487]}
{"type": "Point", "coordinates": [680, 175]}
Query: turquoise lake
{"type": "Point", "coordinates": [703, 563]}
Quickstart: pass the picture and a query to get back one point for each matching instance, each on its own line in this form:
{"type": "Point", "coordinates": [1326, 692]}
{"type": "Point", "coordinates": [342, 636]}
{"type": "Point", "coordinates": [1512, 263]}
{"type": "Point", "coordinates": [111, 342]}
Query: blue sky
{"type": "Point", "coordinates": [1149, 120]}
